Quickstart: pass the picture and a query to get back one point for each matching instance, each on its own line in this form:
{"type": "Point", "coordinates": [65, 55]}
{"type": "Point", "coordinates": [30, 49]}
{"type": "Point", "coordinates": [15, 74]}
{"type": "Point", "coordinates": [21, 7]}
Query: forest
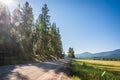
{"type": "Point", "coordinates": [24, 39]}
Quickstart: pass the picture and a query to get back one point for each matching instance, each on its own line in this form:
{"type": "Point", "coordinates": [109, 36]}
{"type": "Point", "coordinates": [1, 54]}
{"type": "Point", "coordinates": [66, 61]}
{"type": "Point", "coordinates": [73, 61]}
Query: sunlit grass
{"type": "Point", "coordinates": [102, 62]}
{"type": "Point", "coordinates": [85, 71]}
{"type": "Point", "coordinates": [107, 65]}
{"type": "Point", "coordinates": [75, 78]}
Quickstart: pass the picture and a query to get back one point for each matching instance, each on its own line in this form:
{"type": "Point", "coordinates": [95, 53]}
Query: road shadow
{"type": "Point", "coordinates": [18, 76]}
{"type": "Point", "coordinates": [58, 67]}
{"type": "Point", "coordinates": [7, 72]}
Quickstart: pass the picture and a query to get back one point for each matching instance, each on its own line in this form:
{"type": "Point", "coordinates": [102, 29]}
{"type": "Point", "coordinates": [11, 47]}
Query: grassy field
{"type": "Point", "coordinates": [101, 64]}
{"type": "Point", "coordinates": [95, 70]}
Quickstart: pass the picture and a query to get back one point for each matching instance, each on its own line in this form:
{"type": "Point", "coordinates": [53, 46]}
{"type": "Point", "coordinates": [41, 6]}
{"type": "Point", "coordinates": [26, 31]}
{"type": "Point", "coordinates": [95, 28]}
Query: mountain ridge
{"type": "Point", "coordinates": [107, 54]}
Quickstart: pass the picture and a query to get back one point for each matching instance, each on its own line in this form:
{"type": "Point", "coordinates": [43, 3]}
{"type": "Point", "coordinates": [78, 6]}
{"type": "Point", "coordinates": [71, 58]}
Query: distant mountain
{"type": "Point", "coordinates": [84, 55]}
{"type": "Point", "coordinates": [108, 54]}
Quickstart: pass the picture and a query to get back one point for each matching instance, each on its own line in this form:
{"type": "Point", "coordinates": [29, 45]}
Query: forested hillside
{"type": "Point", "coordinates": [23, 39]}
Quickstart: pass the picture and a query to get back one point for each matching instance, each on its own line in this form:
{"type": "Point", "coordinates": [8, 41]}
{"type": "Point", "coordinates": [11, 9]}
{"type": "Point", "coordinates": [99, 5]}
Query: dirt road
{"type": "Point", "coordinates": [35, 71]}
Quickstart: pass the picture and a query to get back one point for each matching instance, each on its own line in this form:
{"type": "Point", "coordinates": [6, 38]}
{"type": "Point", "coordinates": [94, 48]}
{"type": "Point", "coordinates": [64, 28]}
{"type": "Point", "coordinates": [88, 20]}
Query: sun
{"type": "Point", "coordinates": [7, 2]}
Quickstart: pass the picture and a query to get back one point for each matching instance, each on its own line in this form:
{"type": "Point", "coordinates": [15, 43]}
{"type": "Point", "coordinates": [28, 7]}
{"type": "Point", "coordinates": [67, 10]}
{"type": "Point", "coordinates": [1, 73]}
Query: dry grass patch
{"type": "Point", "coordinates": [102, 62]}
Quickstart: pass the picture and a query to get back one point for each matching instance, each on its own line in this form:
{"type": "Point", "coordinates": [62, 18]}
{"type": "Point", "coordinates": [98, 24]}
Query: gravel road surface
{"type": "Point", "coordinates": [35, 71]}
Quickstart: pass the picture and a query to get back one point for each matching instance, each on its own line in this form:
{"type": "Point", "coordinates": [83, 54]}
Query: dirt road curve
{"type": "Point", "coordinates": [35, 71]}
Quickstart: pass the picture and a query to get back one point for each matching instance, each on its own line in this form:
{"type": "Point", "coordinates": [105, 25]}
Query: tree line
{"type": "Point", "coordinates": [23, 39]}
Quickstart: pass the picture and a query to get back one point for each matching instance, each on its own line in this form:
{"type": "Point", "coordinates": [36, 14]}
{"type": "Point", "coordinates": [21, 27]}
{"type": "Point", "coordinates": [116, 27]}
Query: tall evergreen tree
{"type": "Point", "coordinates": [6, 47]}
{"type": "Point", "coordinates": [48, 40]}
{"type": "Point", "coordinates": [22, 29]}
{"type": "Point", "coordinates": [17, 33]}
{"type": "Point", "coordinates": [52, 41]}
{"type": "Point", "coordinates": [42, 25]}
{"type": "Point", "coordinates": [27, 24]}
{"type": "Point", "coordinates": [16, 30]}
{"type": "Point", "coordinates": [71, 53]}
{"type": "Point", "coordinates": [57, 41]}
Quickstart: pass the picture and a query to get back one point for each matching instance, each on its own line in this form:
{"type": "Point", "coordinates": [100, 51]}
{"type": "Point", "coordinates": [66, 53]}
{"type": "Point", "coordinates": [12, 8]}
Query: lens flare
{"type": "Point", "coordinates": [7, 2]}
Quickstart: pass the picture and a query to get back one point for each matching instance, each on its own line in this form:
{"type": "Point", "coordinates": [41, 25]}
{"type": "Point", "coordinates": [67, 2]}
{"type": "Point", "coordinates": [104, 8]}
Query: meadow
{"type": "Point", "coordinates": [95, 70]}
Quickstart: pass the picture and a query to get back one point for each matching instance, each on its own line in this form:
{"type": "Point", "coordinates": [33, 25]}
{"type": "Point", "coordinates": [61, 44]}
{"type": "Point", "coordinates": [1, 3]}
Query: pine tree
{"type": "Point", "coordinates": [17, 33]}
{"type": "Point", "coordinates": [26, 25]}
{"type": "Point", "coordinates": [71, 53]}
{"type": "Point", "coordinates": [23, 28]}
{"type": "Point", "coordinates": [55, 44]}
{"type": "Point", "coordinates": [47, 38]}
{"type": "Point", "coordinates": [52, 41]}
{"type": "Point", "coordinates": [42, 25]}
{"type": "Point", "coordinates": [59, 44]}
{"type": "Point", "coordinates": [6, 46]}
{"type": "Point", "coordinates": [16, 30]}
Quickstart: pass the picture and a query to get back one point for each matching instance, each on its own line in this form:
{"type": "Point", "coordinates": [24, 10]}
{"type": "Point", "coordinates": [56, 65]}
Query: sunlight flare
{"type": "Point", "coordinates": [7, 2]}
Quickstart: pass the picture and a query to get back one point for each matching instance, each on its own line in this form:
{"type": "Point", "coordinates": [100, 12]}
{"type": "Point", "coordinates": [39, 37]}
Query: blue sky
{"type": "Point", "coordinates": [85, 25]}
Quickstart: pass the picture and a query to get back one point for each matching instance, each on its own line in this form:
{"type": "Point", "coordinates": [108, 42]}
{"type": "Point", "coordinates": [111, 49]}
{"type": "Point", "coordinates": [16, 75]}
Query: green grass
{"type": "Point", "coordinates": [84, 71]}
{"type": "Point", "coordinates": [101, 64]}
{"type": "Point", "coordinates": [76, 78]}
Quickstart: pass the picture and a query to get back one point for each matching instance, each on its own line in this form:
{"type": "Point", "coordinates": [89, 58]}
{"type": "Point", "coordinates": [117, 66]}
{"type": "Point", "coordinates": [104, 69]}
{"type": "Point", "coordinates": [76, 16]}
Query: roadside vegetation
{"type": "Point", "coordinates": [87, 71]}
